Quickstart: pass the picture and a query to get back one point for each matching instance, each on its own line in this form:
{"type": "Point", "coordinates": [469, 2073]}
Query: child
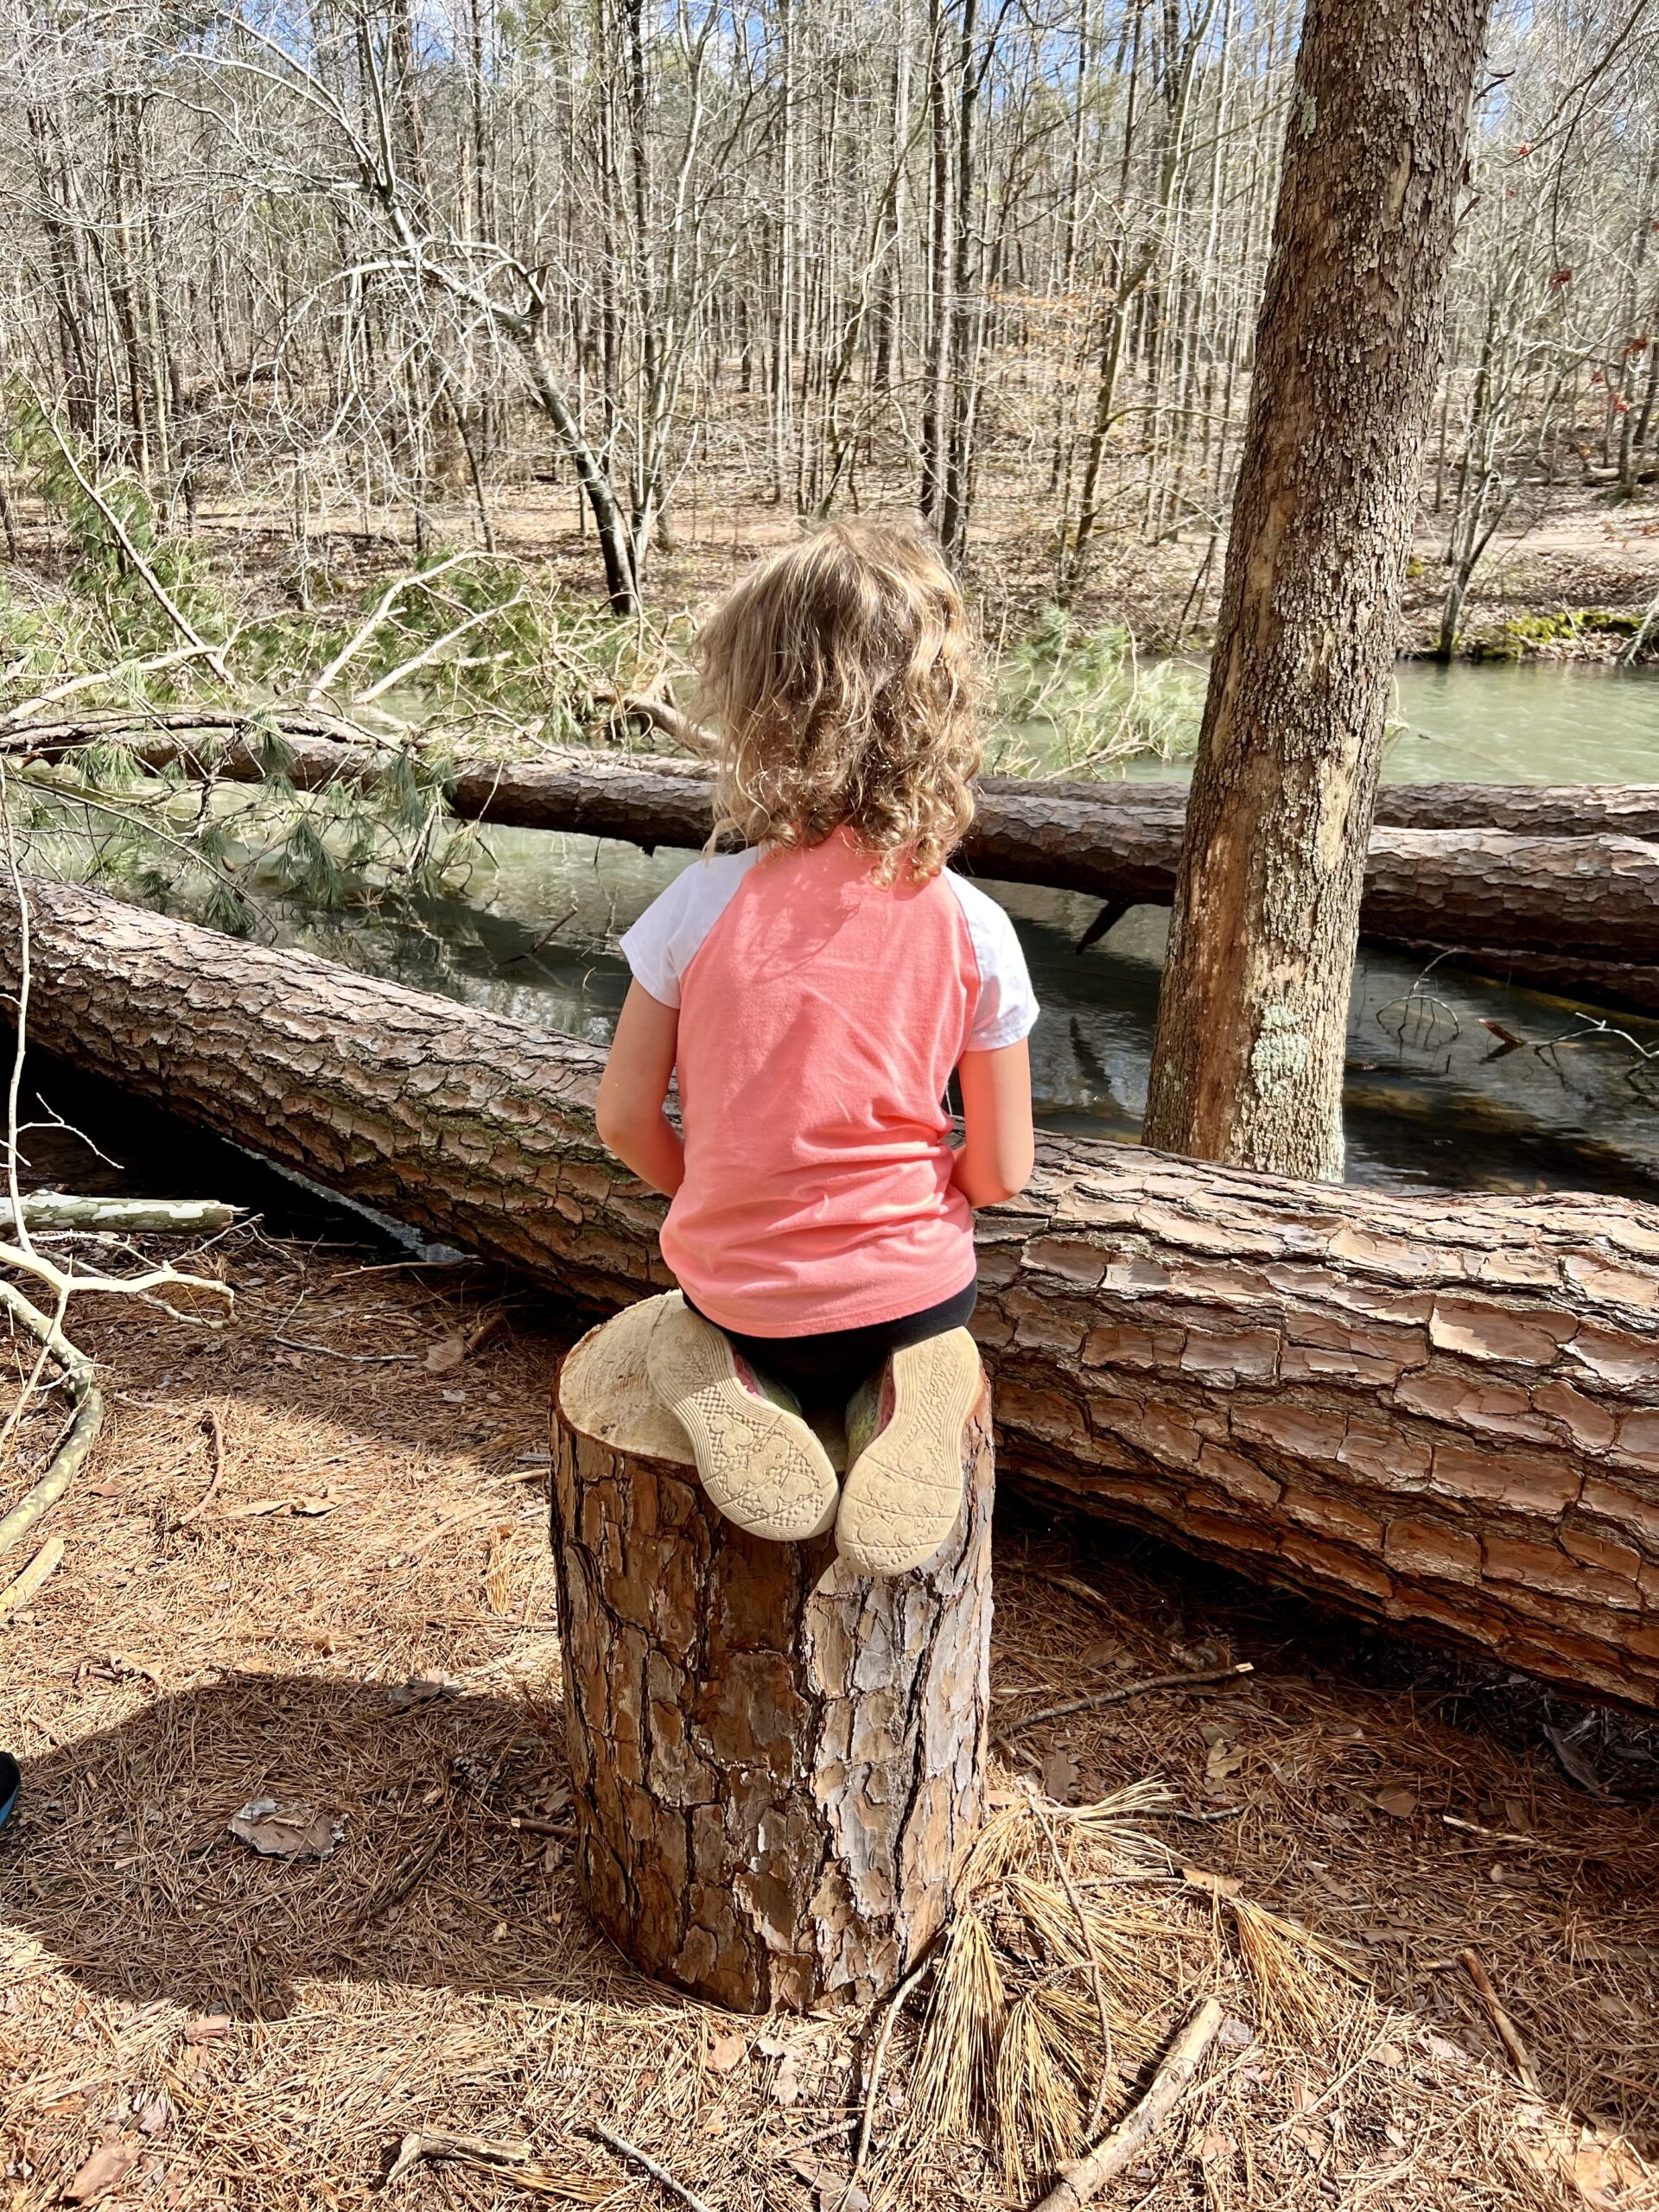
{"type": "Point", "coordinates": [816, 992]}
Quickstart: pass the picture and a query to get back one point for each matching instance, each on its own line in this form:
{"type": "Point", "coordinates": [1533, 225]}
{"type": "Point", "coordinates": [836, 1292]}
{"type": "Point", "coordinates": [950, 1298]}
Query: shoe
{"type": "Point", "coordinates": [756, 1457]}
{"type": "Point", "coordinates": [12, 1782]}
{"type": "Point", "coordinates": [905, 1476]}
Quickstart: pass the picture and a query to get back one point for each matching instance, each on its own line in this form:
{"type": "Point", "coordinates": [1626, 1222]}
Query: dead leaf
{"type": "Point", "coordinates": [1060, 1777]}
{"type": "Point", "coordinates": [1215, 2145]}
{"type": "Point", "coordinates": [786, 2082]}
{"type": "Point", "coordinates": [1574, 1764]}
{"type": "Point", "coordinates": [1219, 1886]}
{"type": "Point", "coordinates": [287, 1831]}
{"type": "Point", "coordinates": [725, 2052]}
{"type": "Point", "coordinates": [106, 2169]}
{"type": "Point", "coordinates": [447, 1353]}
{"type": "Point", "coordinates": [1399, 1801]}
{"type": "Point", "coordinates": [1221, 1761]}
{"type": "Point", "coordinates": [312, 1507]}
{"type": "Point", "coordinates": [835, 2192]}
{"type": "Point", "coordinates": [156, 2114]}
{"type": "Point", "coordinates": [255, 1509]}
{"type": "Point", "coordinates": [207, 2027]}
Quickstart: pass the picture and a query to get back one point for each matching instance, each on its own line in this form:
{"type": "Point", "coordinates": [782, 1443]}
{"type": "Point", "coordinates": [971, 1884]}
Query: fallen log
{"type": "Point", "coordinates": [1439, 1411]}
{"type": "Point", "coordinates": [1515, 893]}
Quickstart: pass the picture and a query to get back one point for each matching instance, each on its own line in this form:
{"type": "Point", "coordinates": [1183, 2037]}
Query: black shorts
{"type": "Point", "coordinates": [827, 1369]}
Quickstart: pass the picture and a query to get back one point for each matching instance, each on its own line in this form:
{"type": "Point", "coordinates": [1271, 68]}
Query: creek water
{"type": "Point", "coordinates": [1435, 1098]}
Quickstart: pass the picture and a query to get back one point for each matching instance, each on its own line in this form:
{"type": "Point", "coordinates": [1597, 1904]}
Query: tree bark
{"type": "Point", "coordinates": [1436, 1410]}
{"type": "Point", "coordinates": [1248, 1058]}
{"type": "Point", "coordinates": [775, 1762]}
{"type": "Point", "coordinates": [1541, 886]}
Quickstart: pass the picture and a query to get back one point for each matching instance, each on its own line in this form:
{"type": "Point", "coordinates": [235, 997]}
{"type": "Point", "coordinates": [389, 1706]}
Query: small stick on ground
{"type": "Point", "coordinates": [1121, 1696]}
{"type": "Point", "coordinates": [1080, 2182]}
{"type": "Point", "coordinates": [624, 2149]}
{"type": "Point", "coordinates": [46, 1561]}
{"type": "Point", "coordinates": [895, 2005]}
{"type": "Point", "coordinates": [216, 1449]}
{"type": "Point", "coordinates": [1509, 2034]}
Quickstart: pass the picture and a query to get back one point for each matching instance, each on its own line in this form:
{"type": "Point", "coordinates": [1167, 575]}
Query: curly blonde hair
{"type": "Point", "coordinates": [844, 677]}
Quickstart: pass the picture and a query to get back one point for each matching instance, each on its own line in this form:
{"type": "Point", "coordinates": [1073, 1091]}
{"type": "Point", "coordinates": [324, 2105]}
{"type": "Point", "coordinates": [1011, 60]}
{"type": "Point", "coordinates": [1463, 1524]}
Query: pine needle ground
{"type": "Point", "coordinates": [360, 1619]}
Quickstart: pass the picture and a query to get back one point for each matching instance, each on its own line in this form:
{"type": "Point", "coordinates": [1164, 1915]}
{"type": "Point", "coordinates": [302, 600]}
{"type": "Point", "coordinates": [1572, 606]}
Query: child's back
{"type": "Point", "coordinates": [815, 993]}
{"type": "Point", "coordinates": [821, 1016]}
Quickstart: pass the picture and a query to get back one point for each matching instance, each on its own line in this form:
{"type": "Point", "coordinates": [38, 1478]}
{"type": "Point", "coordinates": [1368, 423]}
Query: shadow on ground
{"type": "Point", "coordinates": [119, 1861]}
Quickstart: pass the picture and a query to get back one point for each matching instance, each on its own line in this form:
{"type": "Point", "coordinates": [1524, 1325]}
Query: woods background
{"type": "Point", "coordinates": [336, 277]}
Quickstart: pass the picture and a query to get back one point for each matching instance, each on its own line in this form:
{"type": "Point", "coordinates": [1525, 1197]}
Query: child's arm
{"type": "Point", "coordinates": [629, 1112]}
{"type": "Point", "coordinates": [996, 1159]}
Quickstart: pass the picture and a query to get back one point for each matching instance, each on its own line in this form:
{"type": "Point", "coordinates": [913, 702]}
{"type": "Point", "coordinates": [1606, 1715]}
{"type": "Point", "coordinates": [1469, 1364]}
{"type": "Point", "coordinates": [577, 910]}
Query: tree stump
{"type": "Point", "coordinates": [774, 1760]}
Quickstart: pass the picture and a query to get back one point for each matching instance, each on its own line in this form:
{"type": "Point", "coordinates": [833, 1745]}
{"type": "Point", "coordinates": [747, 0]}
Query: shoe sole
{"type": "Point", "coordinates": [903, 1492]}
{"type": "Point", "coordinates": [759, 1463]}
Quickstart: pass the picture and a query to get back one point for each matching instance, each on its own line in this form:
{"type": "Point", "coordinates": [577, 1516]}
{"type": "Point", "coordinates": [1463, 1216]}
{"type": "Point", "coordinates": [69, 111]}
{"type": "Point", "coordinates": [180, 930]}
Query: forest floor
{"type": "Point", "coordinates": [1538, 592]}
{"type": "Point", "coordinates": [309, 1562]}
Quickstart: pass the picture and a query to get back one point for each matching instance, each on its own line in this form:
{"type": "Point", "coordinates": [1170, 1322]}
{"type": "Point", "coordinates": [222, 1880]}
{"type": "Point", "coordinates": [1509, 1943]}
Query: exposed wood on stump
{"type": "Point", "coordinates": [774, 1760]}
{"type": "Point", "coordinates": [1442, 1411]}
{"type": "Point", "coordinates": [1247, 1062]}
{"type": "Point", "coordinates": [1508, 869]}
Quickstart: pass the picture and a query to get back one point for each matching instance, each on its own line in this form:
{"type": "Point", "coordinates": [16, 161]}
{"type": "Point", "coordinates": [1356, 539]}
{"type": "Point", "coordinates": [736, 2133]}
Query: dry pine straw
{"type": "Point", "coordinates": [235, 2032]}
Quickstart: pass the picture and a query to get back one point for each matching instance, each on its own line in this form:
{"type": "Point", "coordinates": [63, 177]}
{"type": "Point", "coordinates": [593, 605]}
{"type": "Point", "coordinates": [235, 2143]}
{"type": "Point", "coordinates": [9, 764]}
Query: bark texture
{"type": "Point", "coordinates": [774, 1761]}
{"type": "Point", "coordinates": [1442, 1411]}
{"type": "Point", "coordinates": [1503, 867]}
{"type": "Point", "coordinates": [1246, 1063]}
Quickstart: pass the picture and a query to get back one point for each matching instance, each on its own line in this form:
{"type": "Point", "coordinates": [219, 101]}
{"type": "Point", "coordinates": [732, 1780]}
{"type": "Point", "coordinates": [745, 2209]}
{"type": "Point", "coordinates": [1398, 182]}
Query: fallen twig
{"type": "Point", "coordinates": [624, 2149]}
{"type": "Point", "coordinates": [511, 2161]}
{"type": "Point", "coordinates": [216, 1450]}
{"type": "Point", "coordinates": [357, 1358]}
{"type": "Point", "coordinates": [1121, 1696]}
{"type": "Point", "coordinates": [867, 2122]}
{"type": "Point", "coordinates": [407, 1878]}
{"type": "Point", "coordinates": [82, 1433]}
{"type": "Point", "coordinates": [1509, 2034]}
{"type": "Point", "coordinates": [1084, 2179]}
{"type": "Point", "coordinates": [46, 1561]}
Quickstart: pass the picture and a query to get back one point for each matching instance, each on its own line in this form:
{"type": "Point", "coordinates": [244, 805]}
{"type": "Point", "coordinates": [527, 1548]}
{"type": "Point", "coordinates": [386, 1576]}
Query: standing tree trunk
{"type": "Point", "coordinates": [1246, 1063]}
{"type": "Point", "coordinates": [775, 1761]}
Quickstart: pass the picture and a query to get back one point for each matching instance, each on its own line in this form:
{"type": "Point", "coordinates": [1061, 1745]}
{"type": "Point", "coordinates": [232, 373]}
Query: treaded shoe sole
{"type": "Point", "coordinates": [903, 1493]}
{"type": "Point", "coordinates": [761, 1464]}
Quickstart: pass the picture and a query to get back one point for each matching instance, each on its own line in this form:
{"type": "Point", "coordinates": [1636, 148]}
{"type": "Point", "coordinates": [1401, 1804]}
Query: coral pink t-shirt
{"type": "Point", "coordinates": [821, 1016]}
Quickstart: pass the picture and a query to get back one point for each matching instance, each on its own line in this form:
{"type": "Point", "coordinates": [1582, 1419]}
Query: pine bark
{"type": "Point", "coordinates": [1246, 1063]}
{"type": "Point", "coordinates": [774, 1761]}
{"type": "Point", "coordinates": [1438, 1411]}
{"type": "Point", "coordinates": [1507, 868]}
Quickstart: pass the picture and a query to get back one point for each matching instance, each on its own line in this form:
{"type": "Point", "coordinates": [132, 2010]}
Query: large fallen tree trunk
{"type": "Point", "coordinates": [1512, 892]}
{"type": "Point", "coordinates": [1439, 1411]}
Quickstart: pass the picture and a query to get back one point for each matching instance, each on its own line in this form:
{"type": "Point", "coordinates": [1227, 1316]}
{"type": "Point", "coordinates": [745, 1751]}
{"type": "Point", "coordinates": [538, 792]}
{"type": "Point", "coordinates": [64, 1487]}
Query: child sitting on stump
{"type": "Point", "coordinates": [816, 992]}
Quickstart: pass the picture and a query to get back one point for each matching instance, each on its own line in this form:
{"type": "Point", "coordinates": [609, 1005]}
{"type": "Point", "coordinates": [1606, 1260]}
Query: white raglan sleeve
{"type": "Point", "coordinates": [1007, 1010]}
{"type": "Point", "coordinates": [666, 938]}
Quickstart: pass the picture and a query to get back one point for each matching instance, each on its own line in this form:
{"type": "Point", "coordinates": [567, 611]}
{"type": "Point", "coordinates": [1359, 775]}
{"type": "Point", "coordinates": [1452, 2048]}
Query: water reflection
{"type": "Point", "coordinates": [1436, 1097]}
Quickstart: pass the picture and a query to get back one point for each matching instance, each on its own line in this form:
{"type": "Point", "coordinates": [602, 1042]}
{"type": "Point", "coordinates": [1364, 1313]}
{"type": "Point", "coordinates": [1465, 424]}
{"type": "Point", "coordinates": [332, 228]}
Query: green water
{"type": "Point", "coordinates": [1434, 1097]}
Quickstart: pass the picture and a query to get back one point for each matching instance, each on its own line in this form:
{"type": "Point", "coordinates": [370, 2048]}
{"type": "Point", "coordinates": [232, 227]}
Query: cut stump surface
{"type": "Point", "coordinates": [774, 1760]}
